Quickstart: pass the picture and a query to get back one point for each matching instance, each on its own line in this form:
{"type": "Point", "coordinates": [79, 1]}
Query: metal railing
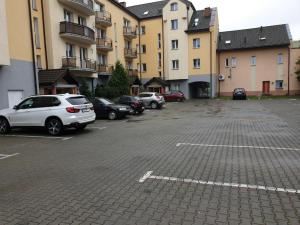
{"type": "Point", "coordinates": [105, 68]}
{"type": "Point", "coordinates": [71, 62]}
{"type": "Point", "coordinates": [103, 16]}
{"type": "Point", "coordinates": [132, 72]}
{"type": "Point", "coordinates": [104, 43]}
{"type": "Point", "coordinates": [74, 28]}
{"type": "Point", "coordinates": [129, 31]}
{"type": "Point", "coordinates": [87, 3]}
{"type": "Point", "coordinates": [130, 52]}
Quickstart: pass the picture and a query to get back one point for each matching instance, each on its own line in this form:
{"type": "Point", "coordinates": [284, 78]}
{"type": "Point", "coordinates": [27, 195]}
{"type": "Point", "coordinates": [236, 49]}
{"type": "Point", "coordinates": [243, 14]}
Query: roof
{"type": "Point", "coordinates": [260, 37]}
{"type": "Point", "coordinates": [203, 22]}
{"type": "Point", "coordinates": [154, 9]}
{"type": "Point", "coordinates": [50, 77]}
{"type": "Point", "coordinates": [156, 80]}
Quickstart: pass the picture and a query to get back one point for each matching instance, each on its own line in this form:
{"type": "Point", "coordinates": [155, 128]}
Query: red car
{"type": "Point", "coordinates": [174, 96]}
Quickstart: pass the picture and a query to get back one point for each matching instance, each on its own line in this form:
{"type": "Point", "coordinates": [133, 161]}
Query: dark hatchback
{"type": "Point", "coordinates": [104, 108]}
{"type": "Point", "coordinates": [134, 102]}
{"type": "Point", "coordinates": [239, 94]}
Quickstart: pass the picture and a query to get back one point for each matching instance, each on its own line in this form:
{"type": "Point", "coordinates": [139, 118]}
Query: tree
{"type": "Point", "coordinates": [119, 80]}
{"type": "Point", "coordinates": [84, 89]}
{"type": "Point", "coordinates": [298, 71]}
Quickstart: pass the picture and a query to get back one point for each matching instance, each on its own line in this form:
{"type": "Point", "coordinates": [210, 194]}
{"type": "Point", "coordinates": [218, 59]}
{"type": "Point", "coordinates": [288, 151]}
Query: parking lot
{"type": "Point", "coordinates": [197, 162]}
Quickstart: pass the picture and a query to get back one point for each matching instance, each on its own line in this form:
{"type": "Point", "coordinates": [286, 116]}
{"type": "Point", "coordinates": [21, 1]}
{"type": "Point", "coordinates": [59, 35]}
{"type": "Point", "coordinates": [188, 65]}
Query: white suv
{"type": "Point", "coordinates": [54, 112]}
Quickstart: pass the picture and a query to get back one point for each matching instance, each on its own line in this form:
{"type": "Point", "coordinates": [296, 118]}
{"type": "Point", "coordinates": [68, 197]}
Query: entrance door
{"type": "Point", "coordinates": [266, 87]}
{"type": "Point", "coordinates": [14, 98]}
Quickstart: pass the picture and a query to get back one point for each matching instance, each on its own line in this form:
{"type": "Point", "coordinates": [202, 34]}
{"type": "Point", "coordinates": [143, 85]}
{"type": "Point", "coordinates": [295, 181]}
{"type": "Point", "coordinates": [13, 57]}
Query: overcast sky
{"type": "Point", "coordinates": [241, 14]}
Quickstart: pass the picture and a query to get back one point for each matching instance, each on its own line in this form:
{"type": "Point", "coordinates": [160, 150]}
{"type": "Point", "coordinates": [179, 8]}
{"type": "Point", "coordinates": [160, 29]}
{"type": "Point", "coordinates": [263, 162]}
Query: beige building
{"type": "Point", "coordinates": [255, 59]}
{"type": "Point", "coordinates": [294, 57]}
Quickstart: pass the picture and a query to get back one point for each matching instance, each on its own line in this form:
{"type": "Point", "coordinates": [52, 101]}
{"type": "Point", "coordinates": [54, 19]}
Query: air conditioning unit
{"type": "Point", "coordinates": [221, 77]}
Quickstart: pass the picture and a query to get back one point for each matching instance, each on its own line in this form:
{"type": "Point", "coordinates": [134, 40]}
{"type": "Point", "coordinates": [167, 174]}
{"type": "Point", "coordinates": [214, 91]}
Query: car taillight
{"type": "Point", "coordinates": [72, 110]}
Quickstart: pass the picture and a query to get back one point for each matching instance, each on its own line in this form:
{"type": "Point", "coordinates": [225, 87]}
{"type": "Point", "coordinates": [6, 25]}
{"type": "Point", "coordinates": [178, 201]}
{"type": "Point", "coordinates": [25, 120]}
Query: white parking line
{"type": "Point", "coordinates": [44, 137]}
{"type": "Point", "coordinates": [212, 183]}
{"type": "Point", "coordinates": [237, 146]}
{"type": "Point", "coordinates": [98, 128]}
{"type": "Point", "coordinates": [3, 156]}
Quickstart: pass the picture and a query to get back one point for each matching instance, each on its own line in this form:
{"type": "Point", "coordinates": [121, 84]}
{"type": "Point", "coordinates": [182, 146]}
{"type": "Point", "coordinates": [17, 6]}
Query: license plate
{"type": "Point", "coordinates": [85, 110]}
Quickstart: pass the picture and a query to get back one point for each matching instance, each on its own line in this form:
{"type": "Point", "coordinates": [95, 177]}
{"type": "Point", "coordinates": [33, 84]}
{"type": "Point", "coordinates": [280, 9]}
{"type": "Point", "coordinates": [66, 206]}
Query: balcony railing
{"type": "Point", "coordinates": [132, 72]}
{"type": "Point", "coordinates": [129, 32]}
{"type": "Point", "coordinates": [84, 6]}
{"type": "Point", "coordinates": [103, 18]}
{"type": "Point", "coordinates": [77, 32]}
{"type": "Point", "coordinates": [72, 63]}
{"type": "Point", "coordinates": [105, 69]}
{"type": "Point", "coordinates": [130, 53]}
{"type": "Point", "coordinates": [104, 44]}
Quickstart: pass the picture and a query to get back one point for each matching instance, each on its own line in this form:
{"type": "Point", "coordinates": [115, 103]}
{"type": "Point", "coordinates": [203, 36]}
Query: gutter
{"type": "Point", "coordinates": [33, 52]}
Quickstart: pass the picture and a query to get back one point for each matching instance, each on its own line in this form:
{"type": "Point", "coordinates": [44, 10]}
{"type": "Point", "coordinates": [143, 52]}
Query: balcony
{"type": "Point", "coordinates": [77, 32]}
{"type": "Point", "coordinates": [105, 69]}
{"type": "Point", "coordinates": [103, 19]}
{"type": "Point", "coordinates": [132, 72]}
{"type": "Point", "coordinates": [129, 32]}
{"type": "Point", "coordinates": [104, 44]}
{"type": "Point", "coordinates": [130, 53]}
{"type": "Point", "coordinates": [86, 66]}
{"type": "Point", "coordinates": [85, 7]}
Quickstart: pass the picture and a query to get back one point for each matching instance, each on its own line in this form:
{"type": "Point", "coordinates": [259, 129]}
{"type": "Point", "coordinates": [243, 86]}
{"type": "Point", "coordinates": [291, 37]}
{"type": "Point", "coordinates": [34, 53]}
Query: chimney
{"type": "Point", "coordinates": [123, 4]}
{"type": "Point", "coordinates": [207, 12]}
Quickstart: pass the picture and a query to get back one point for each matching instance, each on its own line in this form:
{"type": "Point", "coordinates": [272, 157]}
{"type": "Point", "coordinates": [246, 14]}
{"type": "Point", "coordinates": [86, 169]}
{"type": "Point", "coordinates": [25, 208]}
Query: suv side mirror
{"type": "Point", "coordinates": [15, 107]}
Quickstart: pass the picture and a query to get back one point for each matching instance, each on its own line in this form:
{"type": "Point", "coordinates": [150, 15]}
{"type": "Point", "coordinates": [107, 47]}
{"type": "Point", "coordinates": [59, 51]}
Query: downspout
{"type": "Point", "coordinates": [46, 52]}
{"type": "Point", "coordinates": [289, 64]}
{"type": "Point", "coordinates": [210, 49]}
{"type": "Point", "coordinates": [163, 47]}
{"type": "Point", "coordinates": [32, 48]}
{"type": "Point", "coordinates": [219, 72]}
{"type": "Point", "coordinates": [140, 55]}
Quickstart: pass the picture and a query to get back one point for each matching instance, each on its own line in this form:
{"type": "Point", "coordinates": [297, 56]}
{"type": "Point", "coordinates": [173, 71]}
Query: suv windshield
{"type": "Point", "coordinates": [80, 100]}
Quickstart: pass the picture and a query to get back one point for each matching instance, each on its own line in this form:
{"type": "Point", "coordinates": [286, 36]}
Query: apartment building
{"type": "Point", "coordinates": [177, 47]}
{"type": "Point", "coordinates": [21, 50]}
{"type": "Point", "coordinates": [255, 59]}
{"type": "Point", "coordinates": [294, 67]}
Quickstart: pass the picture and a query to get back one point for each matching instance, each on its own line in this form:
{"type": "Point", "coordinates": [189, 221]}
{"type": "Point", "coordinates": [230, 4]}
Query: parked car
{"type": "Point", "coordinates": [152, 99]}
{"type": "Point", "coordinates": [134, 102]}
{"type": "Point", "coordinates": [239, 94]}
{"type": "Point", "coordinates": [105, 108]}
{"type": "Point", "coordinates": [54, 112]}
{"type": "Point", "coordinates": [174, 96]}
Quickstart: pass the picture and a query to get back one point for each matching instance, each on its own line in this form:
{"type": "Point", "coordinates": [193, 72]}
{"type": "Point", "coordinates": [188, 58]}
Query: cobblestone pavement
{"type": "Point", "coordinates": [93, 178]}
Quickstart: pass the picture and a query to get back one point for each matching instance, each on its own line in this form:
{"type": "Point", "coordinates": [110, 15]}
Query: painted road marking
{"type": "Point", "coordinates": [149, 175]}
{"type": "Point", "coordinates": [237, 146]}
{"type": "Point", "coordinates": [44, 137]}
{"type": "Point", "coordinates": [98, 128]}
{"type": "Point", "coordinates": [3, 156]}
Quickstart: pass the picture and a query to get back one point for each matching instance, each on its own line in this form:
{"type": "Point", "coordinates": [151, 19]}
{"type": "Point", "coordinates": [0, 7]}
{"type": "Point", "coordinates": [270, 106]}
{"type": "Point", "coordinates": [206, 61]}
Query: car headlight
{"type": "Point", "coordinates": [122, 109]}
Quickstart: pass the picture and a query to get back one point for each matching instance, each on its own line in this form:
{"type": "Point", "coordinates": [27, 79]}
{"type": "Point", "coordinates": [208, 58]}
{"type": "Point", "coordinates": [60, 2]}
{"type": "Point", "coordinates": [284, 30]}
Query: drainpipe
{"type": "Point", "coordinates": [162, 42]}
{"type": "Point", "coordinates": [140, 55]}
{"type": "Point", "coordinates": [36, 86]}
{"type": "Point", "coordinates": [45, 44]}
{"type": "Point", "coordinates": [211, 89]}
{"type": "Point", "coordinates": [289, 64]}
{"type": "Point", "coordinates": [219, 72]}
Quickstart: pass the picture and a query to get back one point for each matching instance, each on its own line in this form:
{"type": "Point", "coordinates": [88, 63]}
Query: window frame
{"type": "Point", "coordinates": [177, 44]}
{"type": "Point", "coordinates": [173, 27]}
{"type": "Point", "coordinates": [277, 86]}
{"type": "Point", "coordinates": [34, 5]}
{"type": "Point", "coordinates": [175, 64]}
{"type": "Point", "coordinates": [174, 7]}
{"type": "Point", "coordinates": [233, 62]}
{"type": "Point", "coordinates": [195, 64]}
{"type": "Point", "coordinates": [280, 59]}
{"type": "Point", "coordinates": [253, 61]}
{"type": "Point", "coordinates": [144, 67]}
{"type": "Point", "coordinates": [195, 46]}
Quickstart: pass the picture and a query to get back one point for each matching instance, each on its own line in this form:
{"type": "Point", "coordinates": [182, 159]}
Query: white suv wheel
{"type": "Point", "coordinates": [54, 126]}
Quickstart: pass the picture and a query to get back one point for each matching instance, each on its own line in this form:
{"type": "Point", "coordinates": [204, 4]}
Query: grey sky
{"type": "Point", "coordinates": [240, 14]}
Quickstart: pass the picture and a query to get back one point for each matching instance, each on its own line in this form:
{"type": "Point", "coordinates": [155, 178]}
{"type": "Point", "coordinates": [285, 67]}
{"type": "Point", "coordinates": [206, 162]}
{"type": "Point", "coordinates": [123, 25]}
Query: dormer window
{"type": "Point", "coordinates": [146, 13]}
{"type": "Point", "coordinates": [228, 42]}
{"type": "Point", "coordinates": [262, 38]}
{"type": "Point", "coordinates": [174, 6]}
{"type": "Point", "coordinates": [196, 22]}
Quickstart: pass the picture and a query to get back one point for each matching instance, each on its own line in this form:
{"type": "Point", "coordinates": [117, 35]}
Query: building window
{"type": "Point", "coordinates": [233, 62]}
{"type": "Point", "coordinates": [143, 30]}
{"type": "Point", "coordinates": [227, 62]}
{"type": "Point", "coordinates": [81, 20]}
{"type": "Point", "coordinates": [38, 62]}
{"type": "Point", "coordinates": [99, 7]}
{"type": "Point", "coordinates": [68, 16]}
{"type": "Point", "coordinates": [144, 67]}
{"type": "Point", "coordinates": [36, 32]}
{"type": "Point", "coordinates": [279, 84]}
{"type": "Point", "coordinates": [34, 6]}
{"type": "Point", "coordinates": [69, 50]}
{"type": "Point", "coordinates": [143, 49]}
{"type": "Point", "coordinates": [159, 74]}
{"type": "Point", "coordinates": [83, 54]}
{"type": "Point", "coordinates": [159, 60]}
{"type": "Point", "coordinates": [253, 61]}
{"type": "Point", "coordinates": [196, 63]}
{"type": "Point", "coordinates": [174, 24]}
{"type": "Point", "coordinates": [174, 7]}
{"type": "Point", "coordinates": [176, 87]}
{"type": "Point", "coordinates": [159, 40]}
{"type": "Point", "coordinates": [175, 64]}
{"type": "Point", "coordinates": [196, 43]}
{"type": "Point", "coordinates": [280, 58]}
{"type": "Point", "coordinates": [174, 44]}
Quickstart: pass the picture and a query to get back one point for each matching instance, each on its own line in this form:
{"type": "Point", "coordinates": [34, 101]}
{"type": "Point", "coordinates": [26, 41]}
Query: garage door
{"type": "Point", "coordinates": [14, 98]}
